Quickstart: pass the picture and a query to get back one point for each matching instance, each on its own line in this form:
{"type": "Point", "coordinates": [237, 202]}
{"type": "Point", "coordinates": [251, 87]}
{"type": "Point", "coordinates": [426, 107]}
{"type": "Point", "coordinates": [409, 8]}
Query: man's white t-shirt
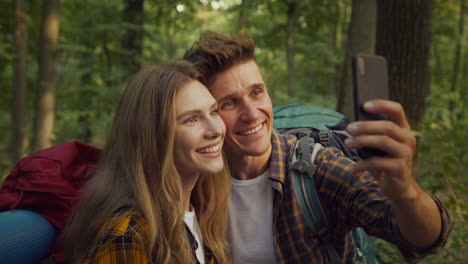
{"type": "Point", "coordinates": [191, 221]}
{"type": "Point", "coordinates": [250, 231]}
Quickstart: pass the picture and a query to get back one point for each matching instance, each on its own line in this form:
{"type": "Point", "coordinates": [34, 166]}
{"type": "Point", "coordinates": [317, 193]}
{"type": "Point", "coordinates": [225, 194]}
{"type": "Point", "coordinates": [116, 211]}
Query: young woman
{"type": "Point", "coordinates": [160, 192]}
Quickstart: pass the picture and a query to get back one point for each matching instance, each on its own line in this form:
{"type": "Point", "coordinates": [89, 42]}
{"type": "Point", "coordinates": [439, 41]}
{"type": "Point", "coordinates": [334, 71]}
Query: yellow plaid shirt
{"type": "Point", "coordinates": [122, 239]}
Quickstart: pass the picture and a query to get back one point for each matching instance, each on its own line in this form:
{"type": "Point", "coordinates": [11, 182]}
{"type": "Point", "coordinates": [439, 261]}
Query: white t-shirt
{"type": "Point", "coordinates": [191, 221]}
{"type": "Point", "coordinates": [250, 231]}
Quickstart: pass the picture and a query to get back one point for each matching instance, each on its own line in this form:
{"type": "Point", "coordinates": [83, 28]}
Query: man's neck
{"type": "Point", "coordinates": [244, 167]}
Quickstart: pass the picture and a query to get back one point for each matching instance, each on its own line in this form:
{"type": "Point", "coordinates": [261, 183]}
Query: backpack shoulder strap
{"type": "Point", "coordinates": [303, 168]}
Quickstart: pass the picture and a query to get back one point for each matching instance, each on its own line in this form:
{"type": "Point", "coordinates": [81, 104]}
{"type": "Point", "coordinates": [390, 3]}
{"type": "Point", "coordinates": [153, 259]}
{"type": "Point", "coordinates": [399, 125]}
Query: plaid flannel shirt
{"type": "Point", "coordinates": [123, 239]}
{"type": "Point", "coordinates": [348, 201]}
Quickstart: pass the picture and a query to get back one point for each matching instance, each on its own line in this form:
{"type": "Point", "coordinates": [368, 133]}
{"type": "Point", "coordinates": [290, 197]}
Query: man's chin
{"type": "Point", "coordinates": [246, 150]}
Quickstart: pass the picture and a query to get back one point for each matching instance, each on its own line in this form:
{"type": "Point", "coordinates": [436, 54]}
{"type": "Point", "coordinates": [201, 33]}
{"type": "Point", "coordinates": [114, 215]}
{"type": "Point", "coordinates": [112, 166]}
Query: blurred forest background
{"type": "Point", "coordinates": [64, 64]}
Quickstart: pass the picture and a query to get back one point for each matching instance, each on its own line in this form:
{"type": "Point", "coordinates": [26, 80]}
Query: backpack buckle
{"type": "Point", "coordinates": [324, 137]}
{"type": "Point", "coordinates": [304, 167]}
{"type": "Point", "coordinates": [302, 134]}
{"type": "Point", "coordinates": [324, 234]}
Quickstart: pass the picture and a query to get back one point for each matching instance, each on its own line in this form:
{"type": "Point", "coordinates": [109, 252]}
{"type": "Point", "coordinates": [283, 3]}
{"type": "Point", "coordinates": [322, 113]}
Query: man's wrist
{"type": "Point", "coordinates": [410, 196]}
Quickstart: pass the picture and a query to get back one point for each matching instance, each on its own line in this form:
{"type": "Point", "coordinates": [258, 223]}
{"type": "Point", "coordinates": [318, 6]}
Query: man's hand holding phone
{"type": "Point", "coordinates": [394, 137]}
{"type": "Point", "coordinates": [381, 135]}
{"type": "Point", "coordinates": [383, 128]}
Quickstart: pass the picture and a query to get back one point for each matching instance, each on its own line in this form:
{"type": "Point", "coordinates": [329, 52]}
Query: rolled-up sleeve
{"type": "Point", "coordinates": [413, 254]}
{"type": "Point", "coordinates": [357, 201]}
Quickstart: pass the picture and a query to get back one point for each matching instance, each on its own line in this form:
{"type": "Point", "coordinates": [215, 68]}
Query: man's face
{"type": "Point", "coordinates": [246, 109]}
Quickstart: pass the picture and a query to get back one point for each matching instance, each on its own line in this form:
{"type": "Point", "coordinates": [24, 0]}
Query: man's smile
{"type": "Point", "coordinates": [251, 131]}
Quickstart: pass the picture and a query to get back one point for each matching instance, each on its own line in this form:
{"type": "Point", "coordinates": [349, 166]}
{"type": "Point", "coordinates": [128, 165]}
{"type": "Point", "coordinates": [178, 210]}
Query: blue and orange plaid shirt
{"type": "Point", "coordinates": [123, 239]}
{"type": "Point", "coordinates": [348, 200]}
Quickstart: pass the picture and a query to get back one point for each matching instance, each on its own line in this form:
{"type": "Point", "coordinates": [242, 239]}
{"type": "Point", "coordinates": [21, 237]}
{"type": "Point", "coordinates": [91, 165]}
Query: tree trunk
{"type": "Point", "coordinates": [332, 38]}
{"type": "Point", "coordinates": [107, 70]}
{"type": "Point", "coordinates": [343, 28]}
{"type": "Point", "coordinates": [132, 40]}
{"type": "Point", "coordinates": [438, 73]}
{"type": "Point", "coordinates": [85, 81]}
{"type": "Point", "coordinates": [464, 88]}
{"type": "Point", "coordinates": [19, 109]}
{"type": "Point", "coordinates": [361, 39]}
{"type": "Point", "coordinates": [344, 11]}
{"type": "Point", "coordinates": [45, 99]}
{"type": "Point", "coordinates": [404, 39]}
{"type": "Point", "coordinates": [170, 40]}
{"type": "Point", "coordinates": [457, 58]}
{"type": "Point", "coordinates": [290, 45]}
{"type": "Point", "coordinates": [243, 10]}
{"type": "Point", "coordinates": [312, 80]}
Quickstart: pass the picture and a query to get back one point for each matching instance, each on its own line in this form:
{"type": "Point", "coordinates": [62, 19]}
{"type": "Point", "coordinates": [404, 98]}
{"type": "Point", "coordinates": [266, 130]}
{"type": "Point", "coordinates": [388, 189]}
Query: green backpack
{"type": "Point", "coordinates": [314, 125]}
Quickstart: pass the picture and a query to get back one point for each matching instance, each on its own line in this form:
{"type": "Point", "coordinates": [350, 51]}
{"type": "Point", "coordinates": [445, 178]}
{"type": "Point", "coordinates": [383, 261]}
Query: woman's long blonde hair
{"type": "Point", "coordinates": [137, 165]}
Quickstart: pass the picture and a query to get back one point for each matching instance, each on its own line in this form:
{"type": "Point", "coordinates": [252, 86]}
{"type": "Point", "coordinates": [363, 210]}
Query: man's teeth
{"type": "Point", "coordinates": [210, 149]}
{"type": "Point", "coordinates": [251, 131]}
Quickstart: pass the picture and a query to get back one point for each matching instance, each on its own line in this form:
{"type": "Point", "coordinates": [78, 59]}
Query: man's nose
{"type": "Point", "coordinates": [249, 112]}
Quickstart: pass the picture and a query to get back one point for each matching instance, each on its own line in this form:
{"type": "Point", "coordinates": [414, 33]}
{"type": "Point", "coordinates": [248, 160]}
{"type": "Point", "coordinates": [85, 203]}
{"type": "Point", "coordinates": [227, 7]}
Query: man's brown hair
{"type": "Point", "coordinates": [215, 53]}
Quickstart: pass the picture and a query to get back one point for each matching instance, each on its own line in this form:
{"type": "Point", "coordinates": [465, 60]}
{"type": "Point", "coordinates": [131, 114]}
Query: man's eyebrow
{"type": "Point", "coordinates": [226, 97]}
{"type": "Point", "coordinates": [257, 85]}
{"type": "Point", "coordinates": [251, 87]}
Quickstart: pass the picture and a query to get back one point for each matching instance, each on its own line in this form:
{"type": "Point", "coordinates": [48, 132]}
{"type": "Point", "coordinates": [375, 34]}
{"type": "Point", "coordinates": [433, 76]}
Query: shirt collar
{"type": "Point", "coordinates": [279, 161]}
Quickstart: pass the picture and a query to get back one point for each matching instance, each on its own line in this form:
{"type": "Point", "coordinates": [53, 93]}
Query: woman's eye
{"type": "Point", "coordinates": [190, 120]}
{"type": "Point", "coordinates": [214, 112]}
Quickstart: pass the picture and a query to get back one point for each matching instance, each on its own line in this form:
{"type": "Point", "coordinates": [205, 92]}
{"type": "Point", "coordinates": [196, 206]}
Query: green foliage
{"type": "Point", "coordinates": [443, 164]}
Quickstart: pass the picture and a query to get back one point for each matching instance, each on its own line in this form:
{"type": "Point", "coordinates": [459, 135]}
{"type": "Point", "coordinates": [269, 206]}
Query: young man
{"type": "Point", "coordinates": [264, 216]}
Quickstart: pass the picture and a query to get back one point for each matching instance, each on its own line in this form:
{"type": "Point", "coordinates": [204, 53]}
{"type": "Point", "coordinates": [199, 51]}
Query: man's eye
{"type": "Point", "coordinates": [257, 92]}
{"type": "Point", "coordinates": [228, 103]}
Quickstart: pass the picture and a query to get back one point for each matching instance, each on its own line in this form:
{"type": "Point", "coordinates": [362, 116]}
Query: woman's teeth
{"type": "Point", "coordinates": [209, 149]}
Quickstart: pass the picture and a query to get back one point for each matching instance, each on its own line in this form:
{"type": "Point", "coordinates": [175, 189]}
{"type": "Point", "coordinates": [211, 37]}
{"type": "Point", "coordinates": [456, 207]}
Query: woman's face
{"type": "Point", "coordinates": [199, 131]}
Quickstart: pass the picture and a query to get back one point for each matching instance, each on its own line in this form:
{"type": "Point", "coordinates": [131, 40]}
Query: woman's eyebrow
{"type": "Point", "coordinates": [194, 111]}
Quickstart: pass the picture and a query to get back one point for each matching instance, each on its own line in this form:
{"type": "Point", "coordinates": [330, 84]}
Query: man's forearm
{"type": "Point", "coordinates": [419, 219]}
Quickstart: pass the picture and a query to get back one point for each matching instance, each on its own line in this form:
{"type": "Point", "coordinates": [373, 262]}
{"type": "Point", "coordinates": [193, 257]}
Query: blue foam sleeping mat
{"type": "Point", "coordinates": [25, 237]}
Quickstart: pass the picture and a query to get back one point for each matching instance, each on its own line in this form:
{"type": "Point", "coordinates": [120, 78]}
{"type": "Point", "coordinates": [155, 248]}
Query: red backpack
{"type": "Point", "coordinates": [48, 181]}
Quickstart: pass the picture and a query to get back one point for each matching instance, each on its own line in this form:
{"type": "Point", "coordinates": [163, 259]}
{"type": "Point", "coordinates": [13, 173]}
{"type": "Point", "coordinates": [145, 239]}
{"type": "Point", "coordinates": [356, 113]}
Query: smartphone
{"type": "Point", "coordinates": [370, 81]}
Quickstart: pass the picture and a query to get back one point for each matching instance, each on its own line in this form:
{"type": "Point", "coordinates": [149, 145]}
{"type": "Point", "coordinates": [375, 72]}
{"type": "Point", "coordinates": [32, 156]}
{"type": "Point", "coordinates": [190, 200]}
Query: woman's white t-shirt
{"type": "Point", "coordinates": [191, 222]}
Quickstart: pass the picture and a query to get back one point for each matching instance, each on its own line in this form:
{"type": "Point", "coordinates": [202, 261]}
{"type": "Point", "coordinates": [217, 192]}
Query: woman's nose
{"type": "Point", "coordinates": [215, 127]}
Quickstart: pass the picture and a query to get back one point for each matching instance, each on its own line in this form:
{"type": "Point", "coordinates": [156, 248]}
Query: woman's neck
{"type": "Point", "coordinates": [188, 183]}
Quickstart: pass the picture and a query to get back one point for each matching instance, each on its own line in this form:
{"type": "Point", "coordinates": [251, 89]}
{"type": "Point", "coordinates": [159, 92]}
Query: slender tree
{"type": "Point", "coordinates": [166, 17]}
{"type": "Point", "coordinates": [45, 99]}
{"type": "Point", "coordinates": [404, 39]}
{"type": "Point", "coordinates": [332, 41]}
{"type": "Point", "coordinates": [458, 51]}
{"type": "Point", "coordinates": [291, 9]}
{"type": "Point", "coordinates": [19, 109]}
{"type": "Point", "coordinates": [243, 14]}
{"type": "Point", "coordinates": [361, 39]}
{"type": "Point", "coordinates": [464, 89]}
{"type": "Point", "coordinates": [132, 40]}
{"type": "Point", "coordinates": [85, 118]}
